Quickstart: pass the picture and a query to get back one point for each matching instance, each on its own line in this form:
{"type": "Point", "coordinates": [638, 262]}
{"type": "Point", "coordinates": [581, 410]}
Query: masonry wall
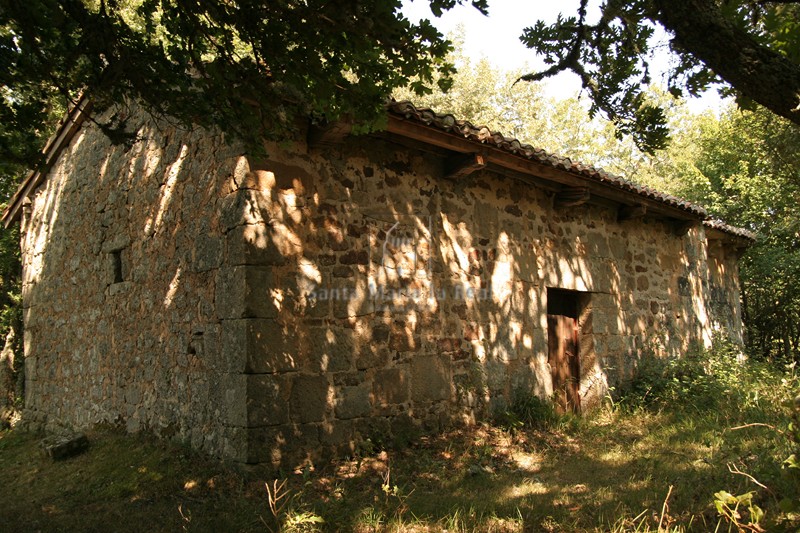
{"type": "Point", "coordinates": [289, 308]}
{"type": "Point", "coordinates": [121, 249]}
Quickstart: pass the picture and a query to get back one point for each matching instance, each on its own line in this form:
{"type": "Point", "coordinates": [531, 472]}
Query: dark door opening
{"type": "Point", "coordinates": [563, 334]}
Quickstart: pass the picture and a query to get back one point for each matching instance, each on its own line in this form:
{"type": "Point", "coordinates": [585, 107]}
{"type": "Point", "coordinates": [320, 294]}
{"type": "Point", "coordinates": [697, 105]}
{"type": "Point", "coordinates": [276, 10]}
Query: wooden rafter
{"type": "Point", "coordinates": [461, 166]}
{"type": "Point", "coordinates": [629, 212]}
{"type": "Point", "coordinates": [328, 135]}
{"type": "Point", "coordinates": [572, 197]}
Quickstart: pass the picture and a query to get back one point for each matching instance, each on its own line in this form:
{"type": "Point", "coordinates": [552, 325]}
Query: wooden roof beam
{"type": "Point", "coordinates": [630, 212]}
{"type": "Point", "coordinates": [461, 166]}
{"type": "Point", "coordinates": [328, 135]}
{"type": "Point", "coordinates": [571, 197]}
{"type": "Point", "coordinates": [497, 157]}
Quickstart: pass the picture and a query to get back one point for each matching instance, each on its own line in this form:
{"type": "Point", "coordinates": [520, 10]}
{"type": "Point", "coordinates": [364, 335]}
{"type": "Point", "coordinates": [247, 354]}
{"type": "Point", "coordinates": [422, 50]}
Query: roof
{"type": "Point", "coordinates": [715, 223]}
{"type": "Point", "coordinates": [452, 133]}
{"type": "Point", "coordinates": [482, 135]}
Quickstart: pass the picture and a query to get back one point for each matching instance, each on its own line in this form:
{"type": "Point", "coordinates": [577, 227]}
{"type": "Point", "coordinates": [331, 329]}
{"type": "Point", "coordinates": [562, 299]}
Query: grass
{"type": "Point", "coordinates": [633, 467]}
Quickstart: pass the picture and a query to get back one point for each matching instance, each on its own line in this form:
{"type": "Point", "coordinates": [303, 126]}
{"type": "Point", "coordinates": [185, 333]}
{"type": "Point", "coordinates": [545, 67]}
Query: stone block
{"type": "Point", "coordinates": [496, 375]}
{"type": "Point", "coordinates": [615, 345]}
{"type": "Point", "coordinates": [524, 379]}
{"type": "Point", "coordinates": [619, 248]}
{"type": "Point", "coordinates": [355, 257]}
{"type": "Point", "coordinates": [65, 446]}
{"type": "Point", "coordinates": [234, 399]}
{"type": "Point", "coordinates": [256, 345]}
{"type": "Point", "coordinates": [253, 244]}
{"type": "Point", "coordinates": [207, 253]}
{"type": "Point", "coordinates": [116, 242]}
{"type": "Point", "coordinates": [370, 356]}
{"type": "Point", "coordinates": [256, 445]}
{"type": "Point", "coordinates": [351, 301]}
{"type": "Point", "coordinates": [605, 321]}
{"type": "Point", "coordinates": [603, 275]}
{"type": "Point", "coordinates": [303, 445]}
{"type": "Point", "coordinates": [403, 336]}
{"type": "Point", "coordinates": [244, 292]}
{"type": "Point", "coordinates": [341, 436]}
{"type": "Point", "coordinates": [329, 349]}
{"type": "Point", "coordinates": [353, 402]}
{"type": "Point", "coordinates": [245, 206]}
{"type": "Point", "coordinates": [390, 387]}
{"type": "Point", "coordinates": [430, 378]}
{"type": "Point", "coordinates": [309, 398]}
{"type": "Point", "coordinates": [259, 180]}
{"type": "Point", "coordinates": [597, 244]}
{"type": "Point", "coordinates": [209, 337]}
{"type": "Point", "coordinates": [266, 400]}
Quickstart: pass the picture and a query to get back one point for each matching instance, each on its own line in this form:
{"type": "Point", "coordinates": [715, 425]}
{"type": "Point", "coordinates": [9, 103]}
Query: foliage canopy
{"type": "Point", "coordinates": [753, 47]}
{"type": "Point", "coordinates": [211, 62]}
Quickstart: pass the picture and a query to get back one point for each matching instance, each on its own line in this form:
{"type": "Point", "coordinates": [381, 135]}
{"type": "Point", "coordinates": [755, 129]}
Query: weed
{"type": "Point", "coordinates": [288, 511]}
{"type": "Point", "coordinates": [741, 511]}
{"type": "Point", "coordinates": [529, 411]}
{"type": "Point", "coordinates": [701, 381]}
{"type": "Point", "coordinates": [612, 471]}
{"type": "Point", "coordinates": [394, 493]}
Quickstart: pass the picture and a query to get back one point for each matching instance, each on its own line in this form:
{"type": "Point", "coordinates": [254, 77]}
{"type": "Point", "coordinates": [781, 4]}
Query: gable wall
{"type": "Point", "coordinates": [292, 307]}
{"type": "Point", "coordinates": [142, 352]}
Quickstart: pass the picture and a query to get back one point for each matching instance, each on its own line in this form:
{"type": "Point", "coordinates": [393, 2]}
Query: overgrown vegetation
{"type": "Point", "coordinates": [695, 444]}
{"type": "Point", "coordinates": [11, 360]}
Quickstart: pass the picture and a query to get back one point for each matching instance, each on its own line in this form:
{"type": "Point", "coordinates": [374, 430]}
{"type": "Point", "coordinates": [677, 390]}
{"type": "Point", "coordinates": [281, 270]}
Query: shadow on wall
{"type": "Point", "coordinates": [398, 302]}
{"type": "Point", "coordinates": [283, 310]}
{"type": "Point", "coordinates": [121, 246]}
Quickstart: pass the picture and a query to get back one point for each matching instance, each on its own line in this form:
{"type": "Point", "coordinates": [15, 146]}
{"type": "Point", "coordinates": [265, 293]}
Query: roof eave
{"type": "Point", "coordinates": [69, 126]}
{"type": "Point", "coordinates": [442, 139]}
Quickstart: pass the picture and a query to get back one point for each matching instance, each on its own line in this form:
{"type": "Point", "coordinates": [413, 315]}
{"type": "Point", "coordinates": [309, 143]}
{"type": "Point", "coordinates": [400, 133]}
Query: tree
{"type": "Point", "coordinates": [752, 46]}
{"type": "Point", "coordinates": [250, 67]}
{"type": "Point", "coordinates": [747, 171]}
{"type": "Point", "coordinates": [488, 96]}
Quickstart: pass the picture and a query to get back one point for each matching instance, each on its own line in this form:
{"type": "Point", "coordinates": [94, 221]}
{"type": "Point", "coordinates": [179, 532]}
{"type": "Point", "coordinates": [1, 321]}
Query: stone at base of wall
{"type": "Point", "coordinates": [63, 447]}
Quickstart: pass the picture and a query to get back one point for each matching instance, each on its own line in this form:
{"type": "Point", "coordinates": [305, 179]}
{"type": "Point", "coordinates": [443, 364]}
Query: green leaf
{"type": "Point", "coordinates": [724, 497]}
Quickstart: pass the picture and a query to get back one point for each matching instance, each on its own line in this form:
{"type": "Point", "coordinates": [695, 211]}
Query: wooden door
{"type": "Point", "coordinates": [562, 339]}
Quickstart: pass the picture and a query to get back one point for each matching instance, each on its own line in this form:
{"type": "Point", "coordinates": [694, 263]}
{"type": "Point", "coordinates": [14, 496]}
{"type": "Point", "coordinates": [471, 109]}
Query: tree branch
{"type": "Point", "coordinates": [757, 72]}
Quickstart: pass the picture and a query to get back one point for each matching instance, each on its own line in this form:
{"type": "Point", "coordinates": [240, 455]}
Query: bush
{"type": "Point", "coordinates": [701, 380]}
{"type": "Point", "coordinates": [528, 410]}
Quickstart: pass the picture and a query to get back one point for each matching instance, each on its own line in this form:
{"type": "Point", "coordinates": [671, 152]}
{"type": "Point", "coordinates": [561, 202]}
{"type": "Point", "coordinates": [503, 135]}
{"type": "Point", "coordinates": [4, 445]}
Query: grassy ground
{"type": "Point", "coordinates": [620, 469]}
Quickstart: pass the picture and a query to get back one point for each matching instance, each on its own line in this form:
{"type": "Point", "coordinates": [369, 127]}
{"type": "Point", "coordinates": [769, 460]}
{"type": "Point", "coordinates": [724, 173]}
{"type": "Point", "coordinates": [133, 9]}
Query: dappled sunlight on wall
{"type": "Point", "coordinates": [37, 230]}
{"type": "Point", "coordinates": [127, 331]}
{"type": "Point", "coordinates": [285, 309]}
{"type": "Point", "coordinates": [173, 171]}
{"type": "Point", "coordinates": [436, 312]}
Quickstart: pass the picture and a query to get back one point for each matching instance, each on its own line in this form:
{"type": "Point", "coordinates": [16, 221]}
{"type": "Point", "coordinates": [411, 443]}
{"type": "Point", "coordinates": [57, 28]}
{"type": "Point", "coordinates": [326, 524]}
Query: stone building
{"type": "Point", "coordinates": [345, 287]}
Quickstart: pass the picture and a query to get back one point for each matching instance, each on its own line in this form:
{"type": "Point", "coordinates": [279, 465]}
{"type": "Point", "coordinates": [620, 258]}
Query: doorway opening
{"type": "Point", "coordinates": [568, 335]}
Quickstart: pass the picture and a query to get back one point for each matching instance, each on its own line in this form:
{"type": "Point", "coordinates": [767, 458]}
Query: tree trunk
{"type": "Point", "coordinates": [8, 380]}
{"type": "Point", "coordinates": [756, 71]}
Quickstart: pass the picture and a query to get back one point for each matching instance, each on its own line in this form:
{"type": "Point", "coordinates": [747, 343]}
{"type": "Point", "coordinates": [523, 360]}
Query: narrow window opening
{"type": "Point", "coordinates": [117, 271]}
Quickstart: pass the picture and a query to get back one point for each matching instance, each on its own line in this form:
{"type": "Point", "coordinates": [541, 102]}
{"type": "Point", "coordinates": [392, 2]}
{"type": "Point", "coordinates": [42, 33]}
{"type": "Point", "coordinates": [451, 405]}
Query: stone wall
{"type": "Point", "coordinates": [723, 292]}
{"type": "Point", "coordinates": [121, 248]}
{"type": "Point", "coordinates": [284, 309]}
